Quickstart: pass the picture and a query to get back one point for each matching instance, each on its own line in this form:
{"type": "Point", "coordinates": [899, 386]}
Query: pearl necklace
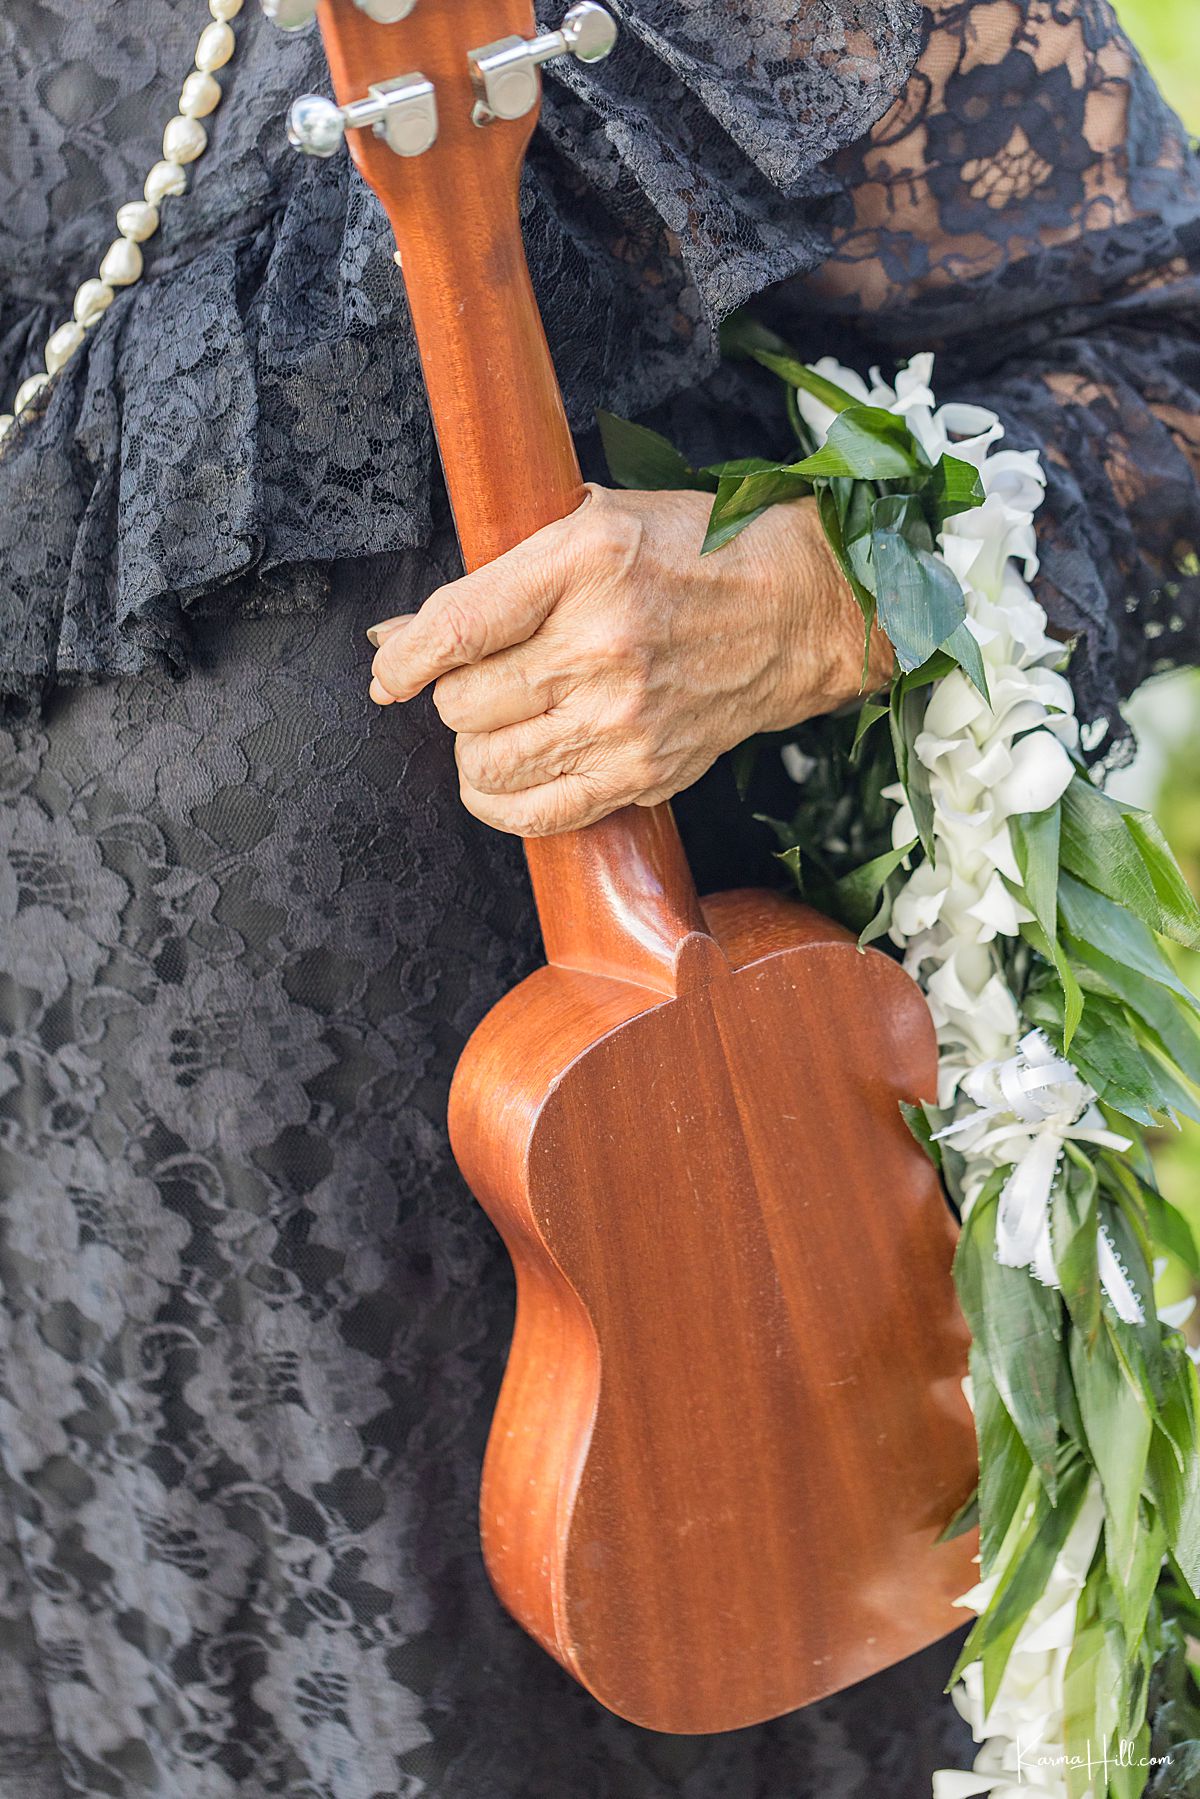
{"type": "Point", "coordinates": [184, 139]}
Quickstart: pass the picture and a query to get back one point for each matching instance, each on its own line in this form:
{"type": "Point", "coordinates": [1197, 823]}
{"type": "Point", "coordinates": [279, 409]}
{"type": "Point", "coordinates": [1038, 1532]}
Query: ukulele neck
{"type": "Point", "coordinates": [616, 898]}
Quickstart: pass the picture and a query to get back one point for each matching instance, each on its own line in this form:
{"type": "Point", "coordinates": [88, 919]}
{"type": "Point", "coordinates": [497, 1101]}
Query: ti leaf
{"type": "Point", "coordinates": [744, 337]}
{"type": "Point", "coordinates": [1004, 1463]}
{"type": "Point", "coordinates": [918, 599]}
{"type": "Point", "coordinates": [1093, 920]}
{"type": "Point", "coordinates": [1074, 1220]}
{"type": "Point", "coordinates": [953, 486]}
{"type": "Point", "coordinates": [640, 458]}
{"type": "Point", "coordinates": [1118, 1425]}
{"type": "Point", "coordinates": [1035, 838]}
{"type": "Point", "coordinates": [1177, 1489]}
{"type": "Point", "coordinates": [741, 498]}
{"type": "Point", "coordinates": [1122, 853]}
{"type": "Point", "coordinates": [1018, 1325]}
{"type": "Point", "coordinates": [866, 443]}
{"type": "Point", "coordinates": [858, 892]}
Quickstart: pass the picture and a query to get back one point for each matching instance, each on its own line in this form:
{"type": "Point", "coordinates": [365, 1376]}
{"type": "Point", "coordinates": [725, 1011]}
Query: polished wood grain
{"type": "Point", "coordinates": [732, 1423]}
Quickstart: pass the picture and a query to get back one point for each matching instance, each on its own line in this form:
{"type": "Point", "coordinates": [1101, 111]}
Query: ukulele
{"type": "Point", "coordinates": [732, 1424]}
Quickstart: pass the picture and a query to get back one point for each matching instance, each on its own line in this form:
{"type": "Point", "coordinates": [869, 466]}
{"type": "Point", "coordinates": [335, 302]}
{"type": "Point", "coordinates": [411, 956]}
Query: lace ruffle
{"type": "Point", "coordinates": [254, 410]}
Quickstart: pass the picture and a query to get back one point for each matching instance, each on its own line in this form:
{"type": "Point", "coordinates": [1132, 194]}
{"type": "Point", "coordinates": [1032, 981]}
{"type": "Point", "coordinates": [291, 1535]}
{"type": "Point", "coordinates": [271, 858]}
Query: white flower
{"type": "Point", "coordinates": [1013, 1103]}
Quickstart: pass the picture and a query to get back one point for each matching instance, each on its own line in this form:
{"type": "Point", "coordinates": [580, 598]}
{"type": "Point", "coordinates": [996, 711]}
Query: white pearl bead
{"type": "Point", "coordinates": [224, 9]}
{"type": "Point", "coordinates": [201, 94]}
{"type": "Point", "coordinates": [184, 139]}
{"type": "Point", "coordinates": [122, 264]}
{"type": "Point", "coordinates": [216, 46]}
{"type": "Point", "coordinates": [6, 424]}
{"type": "Point", "coordinates": [29, 390]}
{"type": "Point", "coordinates": [137, 219]}
{"type": "Point", "coordinates": [165, 178]}
{"type": "Point", "coordinates": [93, 298]}
{"type": "Point", "coordinates": [62, 344]}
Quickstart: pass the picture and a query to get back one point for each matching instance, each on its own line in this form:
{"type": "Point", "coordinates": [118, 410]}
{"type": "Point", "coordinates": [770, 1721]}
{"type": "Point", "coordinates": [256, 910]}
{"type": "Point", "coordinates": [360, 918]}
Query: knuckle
{"type": "Point", "coordinates": [611, 530]}
{"type": "Point", "coordinates": [459, 633]}
{"type": "Point", "coordinates": [486, 766]}
{"type": "Point", "coordinates": [448, 700]}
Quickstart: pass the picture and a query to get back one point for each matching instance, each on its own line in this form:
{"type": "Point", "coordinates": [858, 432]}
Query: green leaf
{"type": "Point", "coordinates": [743, 498]}
{"type": "Point", "coordinates": [1157, 1009]}
{"type": "Point", "coordinates": [1004, 1462]}
{"type": "Point", "coordinates": [963, 647]}
{"type": "Point", "coordinates": [906, 716]}
{"type": "Point", "coordinates": [866, 443]}
{"type": "Point", "coordinates": [1135, 1595]}
{"type": "Point", "coordinates": [1084, 1681]}
{"type": "Point", "coordinates": [638, 457]}
{"type": "Point", "coordinates": [1023, 1581]}
{"type": "Point", "coordinates": [1106, 1052]}
{"type": "Point", "coordinates": [1095, 921]}
{"type": "Point", "coordinates": [744, 337]}
{"type": "Point", "coordinates": [1122, 853]}
{"type": "Point", "coordinates": [1018, 1324]}
{"type": "Point", "coordinates": [1035, 838]}
{"type": "Point", "coordinates": [1074, 1203]}
{"type": "Point", "coordinates": [791, 861]}
{"type": "Point", "coordinates": [858, 892]}
{"type": "Point", "coordinates": [1169, 1230]}
{"type": "Point", "coordinates": [1118, 1425]}
{"type": "Point", "coordinates": [953, 486]}
{"type": "Point", "coordinates": [917, 1120]}
{"type": "Point", "coordinates": [918, 599]}
{"type": "Point", "coordinates": [868, 714]}
{"type": "Point", "coordinates": [965, 1518]}
{"type": "Point", "coordinates": [1177, 1489]}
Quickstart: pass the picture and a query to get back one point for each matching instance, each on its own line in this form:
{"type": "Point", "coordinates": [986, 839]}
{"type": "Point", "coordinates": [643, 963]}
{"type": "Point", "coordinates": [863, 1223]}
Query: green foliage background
{"type": "Point", "coordinates": [1168, 34]}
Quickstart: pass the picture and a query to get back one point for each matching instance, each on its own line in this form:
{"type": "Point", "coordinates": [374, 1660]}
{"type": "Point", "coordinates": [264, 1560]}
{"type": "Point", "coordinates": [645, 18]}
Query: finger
{"type": "Point", "coordinates": [380, 694]}
{"type": "Point", "coordinates": [524, 755]}
{"type": "Point", "coordinates": [377, 633]}
{"type": "Point", "coordinates": [477, 615]}
{"type": "Point", "coordinates": [510, 687]}
{"type": "Point", "coordinates": [567, 804]}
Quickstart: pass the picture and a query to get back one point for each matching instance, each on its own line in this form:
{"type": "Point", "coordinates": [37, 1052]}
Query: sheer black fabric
{"type": "Point", "coordinates": [252, 1326]}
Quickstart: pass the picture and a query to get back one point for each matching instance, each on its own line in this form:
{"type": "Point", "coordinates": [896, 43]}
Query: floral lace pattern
{"type": "Point", "coordinates": [252, 1326]}
{"type": "Point", "coordinates": [1031, 209]}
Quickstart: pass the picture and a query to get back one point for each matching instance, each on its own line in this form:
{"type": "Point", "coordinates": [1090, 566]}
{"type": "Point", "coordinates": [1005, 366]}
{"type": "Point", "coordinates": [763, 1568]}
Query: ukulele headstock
{"type": "Point", "coordinates": [434, 97]}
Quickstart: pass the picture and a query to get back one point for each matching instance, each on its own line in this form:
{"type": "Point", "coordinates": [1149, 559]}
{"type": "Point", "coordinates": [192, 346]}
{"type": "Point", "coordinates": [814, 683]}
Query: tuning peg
{"type": "Point", "coordinates": [290, 15]}
{"type": "Point", "coordinates": [316, 126]}
{"type": "Point", "coordinates": [588, 33]}
{"type": "Point", "coordinates": [386, 12]}
{"type": "Point", "coordinates": [403, 111]}
{"type": "Point", "coordinates": [505, 73]}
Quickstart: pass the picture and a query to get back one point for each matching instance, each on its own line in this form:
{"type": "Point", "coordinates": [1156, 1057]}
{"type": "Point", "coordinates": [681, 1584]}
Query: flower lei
{"type": "Point", "coordinates": [1028, 906]}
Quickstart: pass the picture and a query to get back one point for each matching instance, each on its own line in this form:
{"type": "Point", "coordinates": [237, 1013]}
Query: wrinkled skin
{"type": "Point", "coordinates": [605, 662]}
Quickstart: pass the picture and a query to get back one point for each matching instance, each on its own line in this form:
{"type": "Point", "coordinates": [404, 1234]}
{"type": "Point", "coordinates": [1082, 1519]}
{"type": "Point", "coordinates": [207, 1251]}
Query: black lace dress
{"type": "Point", "coordinates": [252, 1326]}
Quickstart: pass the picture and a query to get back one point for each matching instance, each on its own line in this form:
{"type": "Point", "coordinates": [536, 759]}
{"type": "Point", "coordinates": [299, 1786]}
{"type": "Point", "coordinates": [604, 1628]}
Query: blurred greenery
{"type": "Point", "coordinates": [1167, 32]}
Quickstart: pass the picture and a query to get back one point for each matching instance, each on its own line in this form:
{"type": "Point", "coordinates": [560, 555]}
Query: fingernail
{"type": "Point", "coordinates": [374, 636]}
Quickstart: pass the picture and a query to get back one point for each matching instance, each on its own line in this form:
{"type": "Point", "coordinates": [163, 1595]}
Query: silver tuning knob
{"type": "Point", "coordinates": [296, 15]}
{"type": "Point", "coordinates": [386, 12]}
{"type": "Point", "coordinates": [403, 111]}
{"type": "Point", "coordinates": [505, 73]}
{"type": "Point", "coordinates": [290, 15]}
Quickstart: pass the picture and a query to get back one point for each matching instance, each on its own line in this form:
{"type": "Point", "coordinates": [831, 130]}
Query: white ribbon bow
{"type": "Point", "coordinates": [1026, 1108]}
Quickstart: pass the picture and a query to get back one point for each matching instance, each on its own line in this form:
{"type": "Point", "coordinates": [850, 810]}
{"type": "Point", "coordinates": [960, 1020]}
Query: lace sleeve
{"type": "Point", "coordinates": [1030, 207]}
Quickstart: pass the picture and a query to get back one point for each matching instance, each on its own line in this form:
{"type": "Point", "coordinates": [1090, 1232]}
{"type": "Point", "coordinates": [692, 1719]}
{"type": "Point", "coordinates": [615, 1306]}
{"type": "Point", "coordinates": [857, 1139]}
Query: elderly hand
{"type": "Point", "coordinates": [604, 662]}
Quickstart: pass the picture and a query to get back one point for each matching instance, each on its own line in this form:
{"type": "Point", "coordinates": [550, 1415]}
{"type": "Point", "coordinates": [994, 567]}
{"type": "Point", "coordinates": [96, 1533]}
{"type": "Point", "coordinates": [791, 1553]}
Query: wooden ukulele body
{"type": "Point", "coordinates": [732, 1424]}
